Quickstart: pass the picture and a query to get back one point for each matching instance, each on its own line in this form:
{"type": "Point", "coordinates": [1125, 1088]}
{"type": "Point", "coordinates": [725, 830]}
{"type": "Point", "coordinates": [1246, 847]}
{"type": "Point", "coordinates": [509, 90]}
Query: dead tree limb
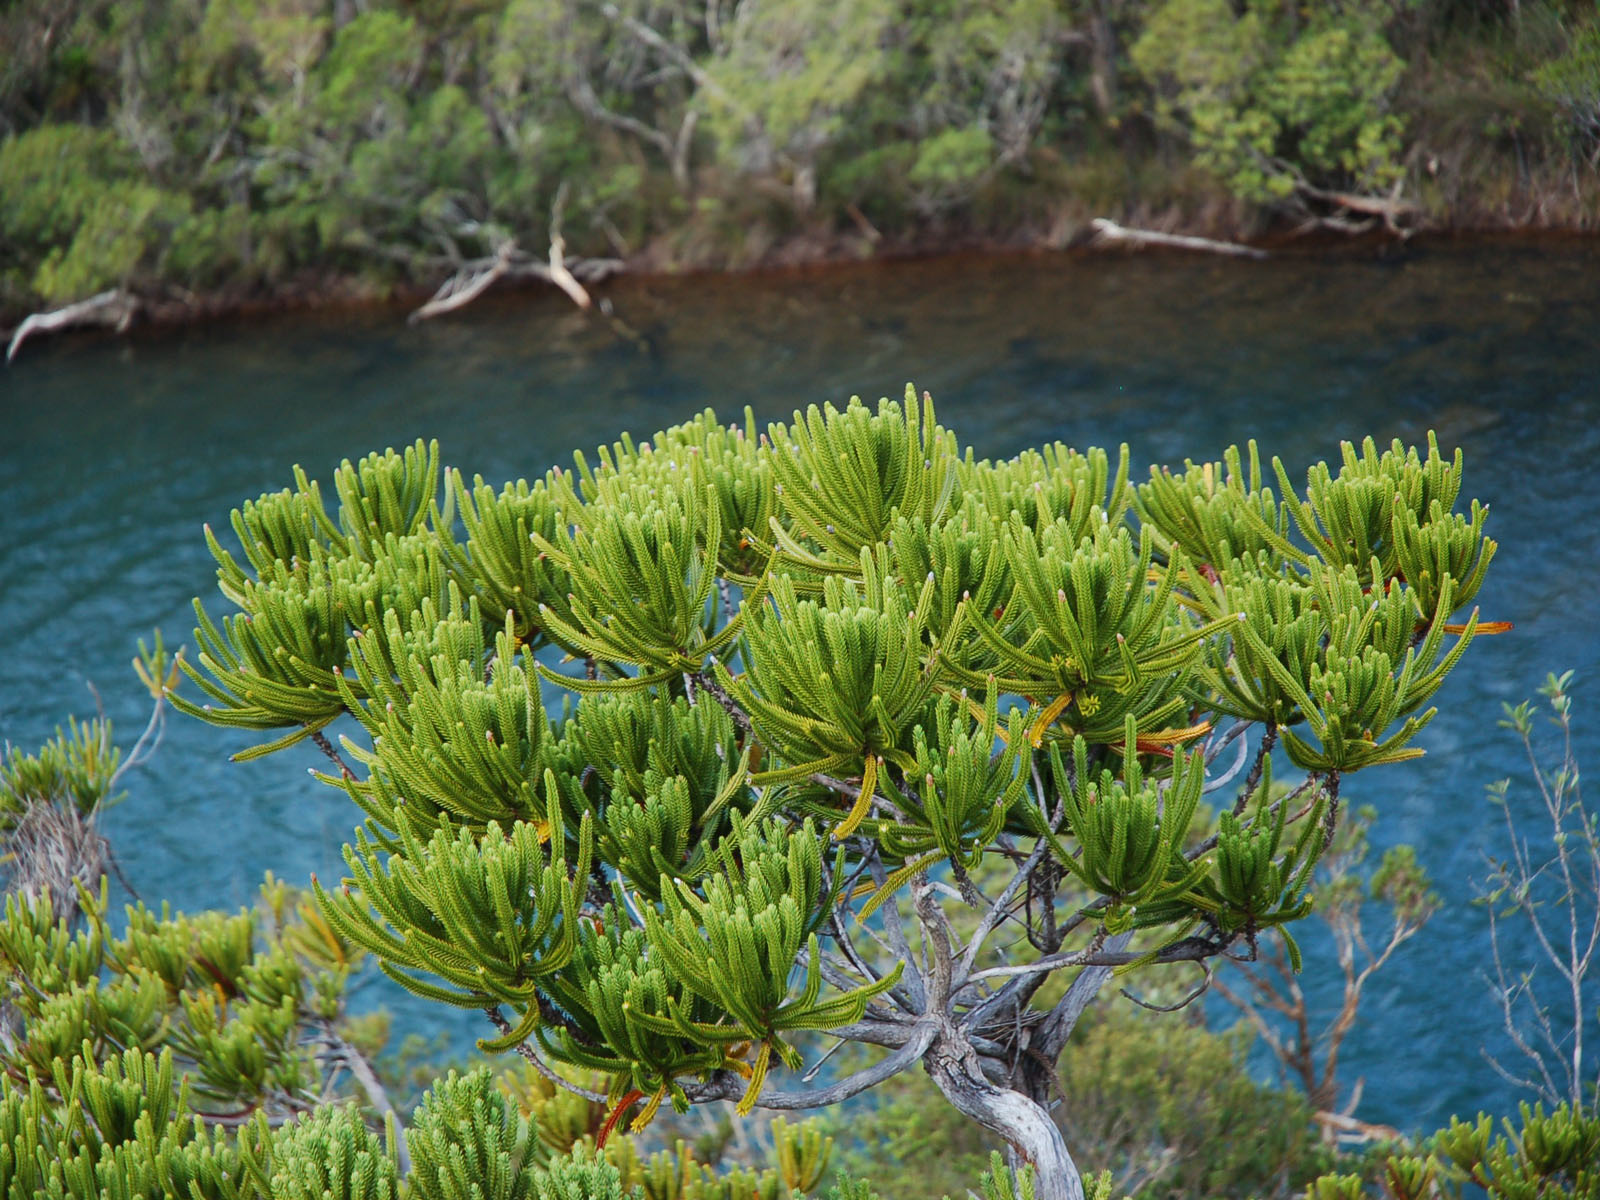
{"type": "Point", "coordinates": [477, 275]}
{"type": "Point", "coordinates": [559, 275]}
{"type": "Point", "coordinates": [1110, 231]}
{"type": "Point", "coordinates": [1398, 216]}
{"type": "Point", "coordinates": [113, 308]}
{"type": "Point", "coordinates": [465, 286]}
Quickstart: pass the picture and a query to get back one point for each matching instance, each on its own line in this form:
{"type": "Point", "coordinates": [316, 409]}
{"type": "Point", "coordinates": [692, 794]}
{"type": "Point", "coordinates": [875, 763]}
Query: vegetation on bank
{"type": "Point", "coordinates": [178, 147]}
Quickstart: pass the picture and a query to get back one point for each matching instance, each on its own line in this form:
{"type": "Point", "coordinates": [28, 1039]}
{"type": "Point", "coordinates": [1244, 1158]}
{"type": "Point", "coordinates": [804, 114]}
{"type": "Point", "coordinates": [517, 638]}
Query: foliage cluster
{"type": "Point", "coordinates": [817, 668]}
{"type": "Point", "coordinates": [212, 144]}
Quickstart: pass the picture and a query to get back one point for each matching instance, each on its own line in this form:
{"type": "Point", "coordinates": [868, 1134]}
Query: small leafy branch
{"type": "Point", "coordinates": [1554, 896]}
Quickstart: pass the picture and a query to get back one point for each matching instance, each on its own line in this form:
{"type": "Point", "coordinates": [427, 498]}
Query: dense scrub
{"type": "Point", "coordinates": [268, 145]}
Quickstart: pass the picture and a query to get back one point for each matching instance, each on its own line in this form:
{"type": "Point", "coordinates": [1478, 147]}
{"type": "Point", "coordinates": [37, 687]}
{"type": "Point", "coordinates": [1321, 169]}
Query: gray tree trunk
{"type": "Point", "coordinates": [1026, 1126]}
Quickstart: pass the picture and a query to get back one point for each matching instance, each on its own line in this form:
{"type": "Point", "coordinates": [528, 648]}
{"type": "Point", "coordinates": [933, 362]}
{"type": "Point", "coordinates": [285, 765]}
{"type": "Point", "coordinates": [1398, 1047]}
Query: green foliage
{"type": "Point", "coordinates": [582, 1177]}
{"type": "Point", "coordinates": [247, 144]}
{"type": "Point", "coordinates": [467, 1138]}
{"type": "Point", "coordinates": [778, 732]}
{"type": "Point", "coordinates": [1270, 96]}
{"type": "Point", "coordinates": [233, 996]}
{"type": "Point", "coordinates": [331, 1152]}
{"type": "Point", "coordinates": [77, 767]}
{"type": "Point", "coordinates": [1541, 1154]}
{"type": "Point", "coordinates": [1158, 1100]}
{"type": "Point", "coordinates": [75, 211]}
{"type": "Point", "coordinates": [1572, 83]}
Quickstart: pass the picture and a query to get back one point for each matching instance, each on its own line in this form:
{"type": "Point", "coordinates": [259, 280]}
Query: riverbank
{"type": "Point", "coordinates": [812, 257]}
{"type": "Point", "coordinates": [227, 153]}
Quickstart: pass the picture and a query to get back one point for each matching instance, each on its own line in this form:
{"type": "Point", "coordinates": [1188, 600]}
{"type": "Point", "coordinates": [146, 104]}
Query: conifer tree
{"type": "Point", "coordinates": [816, 675]}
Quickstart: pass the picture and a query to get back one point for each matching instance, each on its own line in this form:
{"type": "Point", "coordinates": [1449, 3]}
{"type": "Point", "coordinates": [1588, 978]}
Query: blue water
{"type": "Point", "coordinates": [115, 452]}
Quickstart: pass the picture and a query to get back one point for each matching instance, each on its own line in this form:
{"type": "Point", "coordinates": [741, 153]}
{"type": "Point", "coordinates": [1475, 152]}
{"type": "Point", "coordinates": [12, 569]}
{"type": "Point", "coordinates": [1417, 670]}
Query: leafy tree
{"type": "Point", "coordinates": [824, 673]}
{"type": "Point", "coordinates": [1278, 96]}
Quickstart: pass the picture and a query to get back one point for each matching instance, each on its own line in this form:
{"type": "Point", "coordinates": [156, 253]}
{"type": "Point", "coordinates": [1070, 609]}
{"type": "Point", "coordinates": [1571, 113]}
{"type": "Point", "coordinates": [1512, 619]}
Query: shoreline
{"type": "Point", "coordinates": [798, 257]}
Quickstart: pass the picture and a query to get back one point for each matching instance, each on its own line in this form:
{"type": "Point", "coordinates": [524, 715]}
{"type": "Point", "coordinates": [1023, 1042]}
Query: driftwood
{"type": "Point", "coordinates": [472, 279]}
{"type": "Point", "coordinates": [475, 277]}
{"type": "Point", "coordinates": [114, 308]}
{"type": "Point", "coordinates": [1110, 231]}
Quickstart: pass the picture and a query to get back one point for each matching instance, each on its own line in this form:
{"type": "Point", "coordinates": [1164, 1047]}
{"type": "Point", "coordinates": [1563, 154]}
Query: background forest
{"type": "Point", "coordinates": [233, 148]}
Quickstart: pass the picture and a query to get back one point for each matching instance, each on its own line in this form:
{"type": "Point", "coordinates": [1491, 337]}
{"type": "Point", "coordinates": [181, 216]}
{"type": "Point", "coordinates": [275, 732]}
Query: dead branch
{"type": "Point", "coordinates": [565, 279]}
{"type": "Point", "coordinates": [477, 275]}
{"type": "Point", "coordinates": [54, 847]}
{"type": "Point", "coordinates": [114, 308]}
{"type": "Point", "coordinates": [1349, 1131]}
{"type": "Point", "coordinates": [1387, 207]}
{"type": "Point", "coordinates": [465, 286]}
{"type": "Point", "coordinates": [1110, 231]}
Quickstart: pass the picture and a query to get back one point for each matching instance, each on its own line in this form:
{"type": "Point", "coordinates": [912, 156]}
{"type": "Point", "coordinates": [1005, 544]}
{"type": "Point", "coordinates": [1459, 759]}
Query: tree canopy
{"type": "Point", "coordinates": [864, 736]}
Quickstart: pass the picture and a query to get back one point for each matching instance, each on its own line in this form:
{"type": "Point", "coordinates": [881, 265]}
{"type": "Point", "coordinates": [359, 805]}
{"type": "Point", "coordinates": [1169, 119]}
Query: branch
{"type": "Point", "coordinates": [1110, 231]}
{"type": "Point", "coordinates": [582, 94]}
{"type": "Point", "coordinates": [895, 932]}
{"type": "Point", "coordinates": [728, 1086]}
{"type": "Point", "coordinates": [709, 685]}
{"type": "Point", "coordinates": [465, 286]}
{"type": "Point", "coordinates": [377, 1095]}
{"type": "Point", "coordinates": [1064, 1017]}
{"type": "Point", "coordinates": [1227, 777]}
{"type": "Point", "coordinates": [115, 308]}
{"type": "Point", "coordinates": [678, 56]}
{"type": "Point", "coordinates": [319, 739]}
{"type": "Point", "coordinates": [1191, 949]}
{"type": "Point", "coordinates": [997, 911]}
{"type": "Point", "coordinates": [498, 1020]}
{"type": "Point", "coordinates": [1253, 780]}
{"type": "Point", "coordinates": [559, 275]}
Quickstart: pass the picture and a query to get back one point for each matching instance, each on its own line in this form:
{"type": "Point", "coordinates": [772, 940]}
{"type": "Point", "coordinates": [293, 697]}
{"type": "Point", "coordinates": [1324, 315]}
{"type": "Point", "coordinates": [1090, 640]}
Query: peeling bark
{"type": "Point", "coordinates": [1030, 1133]}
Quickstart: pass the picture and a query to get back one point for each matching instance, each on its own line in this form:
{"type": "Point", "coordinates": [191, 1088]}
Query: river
{"type": "Point", "coordinates": [116, 451]}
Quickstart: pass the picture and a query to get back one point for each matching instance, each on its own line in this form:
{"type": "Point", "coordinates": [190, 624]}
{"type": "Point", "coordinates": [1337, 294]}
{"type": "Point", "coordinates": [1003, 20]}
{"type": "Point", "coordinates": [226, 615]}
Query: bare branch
{"type": "Point", "coordinates": [115, 308]}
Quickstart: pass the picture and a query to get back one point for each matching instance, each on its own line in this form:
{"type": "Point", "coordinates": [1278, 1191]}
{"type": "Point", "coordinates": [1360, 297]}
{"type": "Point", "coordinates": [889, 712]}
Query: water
{"type": "Point", "coordinates": [115, 452]}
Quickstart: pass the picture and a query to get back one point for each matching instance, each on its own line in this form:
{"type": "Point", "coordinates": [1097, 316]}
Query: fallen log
{"type": "Point", "coordinates": [1110, 231]}
{"type": "Point", "coordinates": [115, 308]}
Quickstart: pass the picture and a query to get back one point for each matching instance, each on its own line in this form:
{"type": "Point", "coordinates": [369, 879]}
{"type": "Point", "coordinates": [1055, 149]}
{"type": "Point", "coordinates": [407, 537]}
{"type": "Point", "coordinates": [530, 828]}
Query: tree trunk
{"type": "Point", "coordinates": [1029, 1132]}
{"type": "Point", "coordinates": [1103, 61]}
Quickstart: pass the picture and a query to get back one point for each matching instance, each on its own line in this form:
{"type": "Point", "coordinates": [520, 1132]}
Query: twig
{"type": "Point", "coordinates": [321, 742]}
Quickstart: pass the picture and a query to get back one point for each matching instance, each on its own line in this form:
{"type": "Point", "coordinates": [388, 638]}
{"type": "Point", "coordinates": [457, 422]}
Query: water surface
{"type": "Point", "coordinates": [115, 452]}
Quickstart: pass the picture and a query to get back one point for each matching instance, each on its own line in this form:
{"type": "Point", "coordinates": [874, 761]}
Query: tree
{"type": "Point", "coordinates": [822, 673]}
